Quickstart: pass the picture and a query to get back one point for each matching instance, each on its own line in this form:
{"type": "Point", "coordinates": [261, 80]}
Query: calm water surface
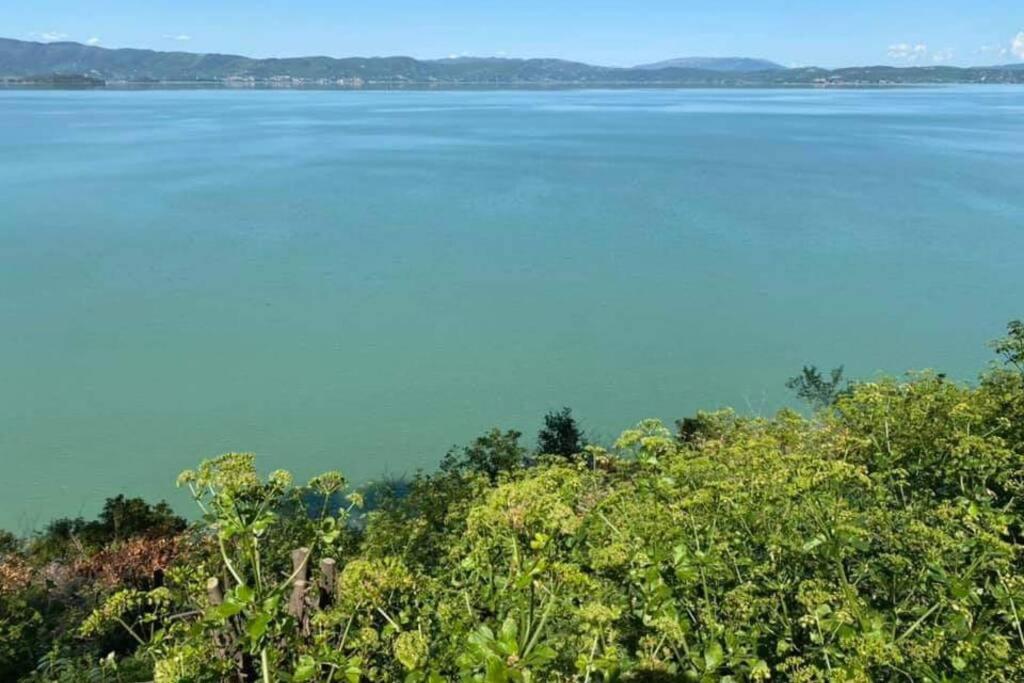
{"type": "Point", "coordinates": [358, 280]}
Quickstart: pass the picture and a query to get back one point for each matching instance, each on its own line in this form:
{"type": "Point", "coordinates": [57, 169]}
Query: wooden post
{"type": "Point", "coordinates": [215, 594]}
{"type": "Point", "coordinates": [245, 672]}
{"type": "Point", "coordinates": [213, 591]}
{"type": "Point", "coordinates": [300, 563]}
{"type": "Point", "coordinates": [300, 569]}
{"type": "Point", "coordinates": [328, 576]}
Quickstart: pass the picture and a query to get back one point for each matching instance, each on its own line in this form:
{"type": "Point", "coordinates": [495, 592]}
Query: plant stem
{"type": "Point", "coordinates": [131, 631]}
{"type": "Point", "coordinates": [1013, 606]}
{"type": "Point", "coordinates": [227, 562]}
{"type": "Point", "coordinates": [590, 662]}
{"type": "Point", "coordinates": [913, 627]}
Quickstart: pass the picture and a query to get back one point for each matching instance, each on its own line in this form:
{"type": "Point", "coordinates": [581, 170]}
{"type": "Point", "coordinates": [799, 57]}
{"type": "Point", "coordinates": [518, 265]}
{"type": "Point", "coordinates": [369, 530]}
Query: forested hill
{"type": "Point", "coordinates": [55, 63]}
{"type": "Point", "coordinates": [740, 64]}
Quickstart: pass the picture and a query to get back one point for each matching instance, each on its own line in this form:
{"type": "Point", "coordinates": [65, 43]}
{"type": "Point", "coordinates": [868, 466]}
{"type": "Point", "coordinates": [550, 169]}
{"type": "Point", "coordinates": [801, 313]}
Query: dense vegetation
{"type": "Point", "coordinates": [879, 540]}
{"type": "Point", "coordinates": [39, 61]}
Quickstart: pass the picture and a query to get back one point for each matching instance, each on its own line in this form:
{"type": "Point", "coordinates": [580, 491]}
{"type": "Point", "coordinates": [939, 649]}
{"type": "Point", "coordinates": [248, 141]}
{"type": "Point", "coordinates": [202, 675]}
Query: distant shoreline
{"type": "Point", "coordinates": [66, 64]}
{"type": "Point", "coordinates": [456, 87]}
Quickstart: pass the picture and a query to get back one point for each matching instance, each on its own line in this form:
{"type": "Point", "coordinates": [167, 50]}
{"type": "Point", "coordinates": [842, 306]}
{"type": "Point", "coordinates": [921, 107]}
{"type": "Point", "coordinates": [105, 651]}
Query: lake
{"type": "Point", "coordinates": [360, 280]}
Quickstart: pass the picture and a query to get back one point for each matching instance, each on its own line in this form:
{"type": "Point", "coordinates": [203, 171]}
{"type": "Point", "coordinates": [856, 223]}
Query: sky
{"type": "Point", "coordinates": [614, 33]}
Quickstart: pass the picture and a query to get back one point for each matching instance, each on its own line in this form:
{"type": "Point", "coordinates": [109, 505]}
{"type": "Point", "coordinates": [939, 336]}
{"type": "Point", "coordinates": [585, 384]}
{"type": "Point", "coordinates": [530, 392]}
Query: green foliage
{"type": "Point", "coordinates": [48, 586]}
{"type": "Point", "coordinates": [57, 666]}
{"type": "Point", "coordinates": [1011, 347]}
{"type": "Point", "coordinates": [817, 390]}
{"type": "Point", "coordinates": [9, 544]}
{"type": "Point", "coordinates": [126, 517]}
{"type": "Point", "coordinates": [21, 629]}
{"type": "Point", "coordinates": [121, 518]}
{"type": "Point", "coordinates": [252, 522]}
{"type": "Point", "coordinates": [492, 454]}
{"type": "Point", "coordinates": [561, 435]}
{"type": "Point", "coordinates": [877, 541]}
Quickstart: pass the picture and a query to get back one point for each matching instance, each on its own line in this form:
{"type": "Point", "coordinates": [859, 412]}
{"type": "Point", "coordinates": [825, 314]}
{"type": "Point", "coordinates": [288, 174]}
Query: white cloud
{"type": "Point", "coordinates": [999, 50]}
{"type": "Point", "coordinates": [943, 55]}
{"type": "Point", "coordinates": [93, 41]}
{"type": "Point", "coordinates": [49, 36]}
{"type": "Point", "coordinates": [908, 52]}
{"type": "Point", "coordinates": [1015, 48]}
{"type": "Point", "coordinates": [181, 37]}
{"type": "Point", "coordinates": [1018, 46]}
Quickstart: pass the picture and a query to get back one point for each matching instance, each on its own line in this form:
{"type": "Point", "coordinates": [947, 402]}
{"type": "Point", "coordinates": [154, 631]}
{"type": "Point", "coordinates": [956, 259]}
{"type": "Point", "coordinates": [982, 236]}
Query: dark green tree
{"type": "Point", "coordinates": [9, 543]}
{"type": "Point", "coordinates": [561, 435]}
{"type": "Point", "coordinates": [491, 454]}
{"type": "Point", "coordinates": [815, 389]}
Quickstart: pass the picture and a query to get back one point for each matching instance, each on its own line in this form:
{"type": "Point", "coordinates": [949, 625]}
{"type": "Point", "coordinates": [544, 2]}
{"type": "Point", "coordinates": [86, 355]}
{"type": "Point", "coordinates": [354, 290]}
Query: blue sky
{"type": "Point", "coordinates": [798, 32]}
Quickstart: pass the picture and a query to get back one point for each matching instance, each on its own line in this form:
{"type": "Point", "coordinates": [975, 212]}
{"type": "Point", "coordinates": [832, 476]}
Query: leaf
{"type": "Point", "coordinates": [271, 604]}
{"type": "Point", "coordinates": [713, 656]}
{"type": "Point", "coordinates": [540, 541]}
{"type": "Point", "coordinates": [496, 672]}
{"type": "Point", "coordinates": [813, 543]}
{"type": "Point", "coordinates": [509, 637]}
{"type": "Point", "coordinates": [225, 610]}
{"type": "Point", "coordinates": [542, 654]}
{"type": "Point", "coordinates": [306, 669]}
{"type": "Point", "coordinates": [244, 594]}
{"type": "Point", "coordinates": [523, 581]}
{"type": "Point", "coordinates": [257, 627]}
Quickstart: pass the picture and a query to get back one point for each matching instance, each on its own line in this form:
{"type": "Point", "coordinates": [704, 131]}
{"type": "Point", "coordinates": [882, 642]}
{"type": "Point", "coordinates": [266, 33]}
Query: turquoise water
{"type": "Point", "coordinates": [358, 280]}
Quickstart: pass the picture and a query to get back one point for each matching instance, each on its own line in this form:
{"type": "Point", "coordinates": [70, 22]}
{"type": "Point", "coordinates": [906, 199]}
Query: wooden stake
{"type": "Point", "coordinates": [328, 576]}
{"type": "Point", "coordinates": [213, 591]}
{"type": "Point", "coordinates": [300, 569]}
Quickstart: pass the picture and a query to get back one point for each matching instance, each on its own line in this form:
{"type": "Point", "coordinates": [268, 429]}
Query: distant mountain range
{"type": "Point", "coordinates": [727, 64]}
{"type": "Point", "coordinates": [66, 63]}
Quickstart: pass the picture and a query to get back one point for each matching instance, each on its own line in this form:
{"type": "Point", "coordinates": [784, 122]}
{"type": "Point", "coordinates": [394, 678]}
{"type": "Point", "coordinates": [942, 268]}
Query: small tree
{"type": "Point", "coordinates": [1011, 347]}
{"type": "Point", "coordinates": [9, 543]}
{"type": "Point", "coordinates": [561, 435]}
{"type": "Point", "coordinates": [815, 389]}
{"type": "Point", "coordinates": [491, 454]}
